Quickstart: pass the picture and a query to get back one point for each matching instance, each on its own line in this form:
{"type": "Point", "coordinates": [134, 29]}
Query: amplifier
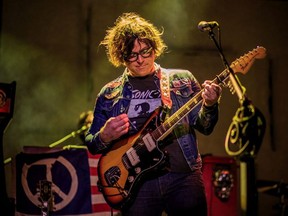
{"type": "Point", "coordinates": [221, 185]}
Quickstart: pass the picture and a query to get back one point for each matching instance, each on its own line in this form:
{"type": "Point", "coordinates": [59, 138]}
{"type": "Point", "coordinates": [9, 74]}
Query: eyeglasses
{"type": "Point", "coordinates": [133, 56]}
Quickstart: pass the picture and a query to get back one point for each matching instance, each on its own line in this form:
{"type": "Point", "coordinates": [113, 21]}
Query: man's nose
{"type": "Point", "coordinates": [140, 59]}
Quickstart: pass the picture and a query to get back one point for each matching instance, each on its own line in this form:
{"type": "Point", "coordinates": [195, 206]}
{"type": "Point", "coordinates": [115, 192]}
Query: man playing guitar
{"type": "Point", "coordinates": [144, 126]}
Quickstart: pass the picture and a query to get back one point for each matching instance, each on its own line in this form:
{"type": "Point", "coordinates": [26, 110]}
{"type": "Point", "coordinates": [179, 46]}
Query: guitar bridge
{"type": "Point", "coordinates": [112, 175]}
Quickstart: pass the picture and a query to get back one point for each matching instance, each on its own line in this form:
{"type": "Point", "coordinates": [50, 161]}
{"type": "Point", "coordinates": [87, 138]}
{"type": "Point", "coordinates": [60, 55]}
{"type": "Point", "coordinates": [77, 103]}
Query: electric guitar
{"type": "Point", "coordinates": [124, 167]}
{"type": "Point", "coordinates": [46, 197]}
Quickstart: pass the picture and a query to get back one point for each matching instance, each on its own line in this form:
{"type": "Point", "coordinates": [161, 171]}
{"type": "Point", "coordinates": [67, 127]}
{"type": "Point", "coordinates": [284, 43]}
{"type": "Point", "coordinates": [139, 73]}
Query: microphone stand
{"type": "Point", "coordinates": [248, 190]}
{"type": "Point", "coordinates": [72, 134]}
{"type": "Point", "coordinates": [234, 78]}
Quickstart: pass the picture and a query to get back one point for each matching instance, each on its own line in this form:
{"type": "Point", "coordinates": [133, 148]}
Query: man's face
{"type": "Point", "coordinates": [141, 60]}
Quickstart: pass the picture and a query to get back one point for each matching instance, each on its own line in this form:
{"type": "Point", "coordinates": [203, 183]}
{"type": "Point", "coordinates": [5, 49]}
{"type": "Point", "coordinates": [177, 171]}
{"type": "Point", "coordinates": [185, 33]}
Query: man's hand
{"type": "Point", "coordinates": [211, 93]}
{"type": "Point", "coordinates": [114, 128]}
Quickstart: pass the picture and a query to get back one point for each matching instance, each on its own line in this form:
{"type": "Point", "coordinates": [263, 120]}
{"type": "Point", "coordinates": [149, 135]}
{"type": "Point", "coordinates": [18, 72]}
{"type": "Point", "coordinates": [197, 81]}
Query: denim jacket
{"type": "Point", "coordinates": [114, 99]}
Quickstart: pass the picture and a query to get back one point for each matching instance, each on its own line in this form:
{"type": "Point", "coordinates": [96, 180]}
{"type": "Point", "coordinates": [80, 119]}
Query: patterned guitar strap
{"type": "Point", "coordinates": [163, 75]}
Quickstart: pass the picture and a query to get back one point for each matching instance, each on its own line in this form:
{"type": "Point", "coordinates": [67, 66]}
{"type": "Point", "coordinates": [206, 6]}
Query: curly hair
{"type": "Point", "coordinates": [119, 40]}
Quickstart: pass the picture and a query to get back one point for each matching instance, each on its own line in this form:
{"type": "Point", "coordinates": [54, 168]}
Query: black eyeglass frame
{"type": "Point", "coordinates": [145, 53]}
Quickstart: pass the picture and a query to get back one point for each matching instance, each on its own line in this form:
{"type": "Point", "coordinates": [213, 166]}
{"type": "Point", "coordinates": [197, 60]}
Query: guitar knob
{"type": "Point", "coordinates": [137, 170]}
{"type": "Point", "coordinates": [130, 179]}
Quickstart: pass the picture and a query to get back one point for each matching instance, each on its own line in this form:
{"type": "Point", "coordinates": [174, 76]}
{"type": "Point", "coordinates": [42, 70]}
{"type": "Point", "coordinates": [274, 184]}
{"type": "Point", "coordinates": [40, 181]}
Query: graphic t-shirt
{"type": "Point", "coordinates": [146, 97]}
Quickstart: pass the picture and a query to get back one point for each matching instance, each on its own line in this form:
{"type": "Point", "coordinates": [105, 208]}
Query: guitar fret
{"type": "Point", "coordinates": [171, 122]}
{"type": "Point", "coordinates": [162, 129]}
{"type": "Point", "coordinates": [157, 133]}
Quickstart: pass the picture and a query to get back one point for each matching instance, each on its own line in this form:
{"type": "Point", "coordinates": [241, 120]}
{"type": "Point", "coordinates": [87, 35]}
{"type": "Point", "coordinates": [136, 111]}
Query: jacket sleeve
{"type": "Point", "coordinates": [92, 139]}
{"type": "Point", "coordinates": [207, 119]}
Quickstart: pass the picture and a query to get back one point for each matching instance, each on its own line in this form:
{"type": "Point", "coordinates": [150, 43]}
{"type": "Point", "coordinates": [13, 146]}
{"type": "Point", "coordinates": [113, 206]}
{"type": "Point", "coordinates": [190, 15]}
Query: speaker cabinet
{"type": "Point", "coordinates": [221, 185]}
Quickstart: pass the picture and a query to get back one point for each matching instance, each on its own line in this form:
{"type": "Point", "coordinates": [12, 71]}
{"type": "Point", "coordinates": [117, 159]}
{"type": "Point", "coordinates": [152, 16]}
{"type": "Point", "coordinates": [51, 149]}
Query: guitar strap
{"type": "Point", "coordinates": [163, 75]}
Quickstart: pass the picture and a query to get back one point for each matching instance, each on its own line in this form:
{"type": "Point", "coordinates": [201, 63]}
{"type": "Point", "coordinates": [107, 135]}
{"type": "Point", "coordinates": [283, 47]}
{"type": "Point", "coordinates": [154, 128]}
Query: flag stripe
{"type": "Point", "coordinates": [99, 204]}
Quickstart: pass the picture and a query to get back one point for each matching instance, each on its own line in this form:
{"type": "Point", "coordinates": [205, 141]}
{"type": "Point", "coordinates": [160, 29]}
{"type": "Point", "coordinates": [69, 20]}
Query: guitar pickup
{"type": "Point", "coordinates": [133, 156]}
{"type": "Point", "coordinates": [149, 142]}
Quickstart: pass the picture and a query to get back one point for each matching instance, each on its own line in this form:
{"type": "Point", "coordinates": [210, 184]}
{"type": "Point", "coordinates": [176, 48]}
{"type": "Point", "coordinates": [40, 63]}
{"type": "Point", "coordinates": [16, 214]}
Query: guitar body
{"type": "Point", "coordinates": [122, 169]}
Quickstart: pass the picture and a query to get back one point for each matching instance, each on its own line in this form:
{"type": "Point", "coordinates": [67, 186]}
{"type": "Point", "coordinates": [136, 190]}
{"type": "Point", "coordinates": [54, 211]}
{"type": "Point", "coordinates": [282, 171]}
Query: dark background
{"type": "Point", "coordinates": [50, 48]}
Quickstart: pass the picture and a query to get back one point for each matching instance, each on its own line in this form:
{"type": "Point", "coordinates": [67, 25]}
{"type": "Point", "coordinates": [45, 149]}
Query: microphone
{"type": "Point", "coordinates": [207, 26]}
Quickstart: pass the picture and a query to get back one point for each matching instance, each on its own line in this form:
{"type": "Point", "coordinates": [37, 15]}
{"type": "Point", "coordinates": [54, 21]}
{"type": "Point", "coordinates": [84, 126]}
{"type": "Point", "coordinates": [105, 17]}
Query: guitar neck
{"type": "Point", "coordinates": [166, 127]}
{"type": "Point", "coordinates": [241, 64]}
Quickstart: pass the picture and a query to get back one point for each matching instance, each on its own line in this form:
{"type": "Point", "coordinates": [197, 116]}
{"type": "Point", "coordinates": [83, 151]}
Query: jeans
{"type": "Point", "coordinates": [178, 194]}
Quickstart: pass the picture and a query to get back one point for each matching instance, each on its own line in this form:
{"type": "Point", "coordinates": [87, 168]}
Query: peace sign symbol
{"type": "Point", "coordinates": [48, 163]}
